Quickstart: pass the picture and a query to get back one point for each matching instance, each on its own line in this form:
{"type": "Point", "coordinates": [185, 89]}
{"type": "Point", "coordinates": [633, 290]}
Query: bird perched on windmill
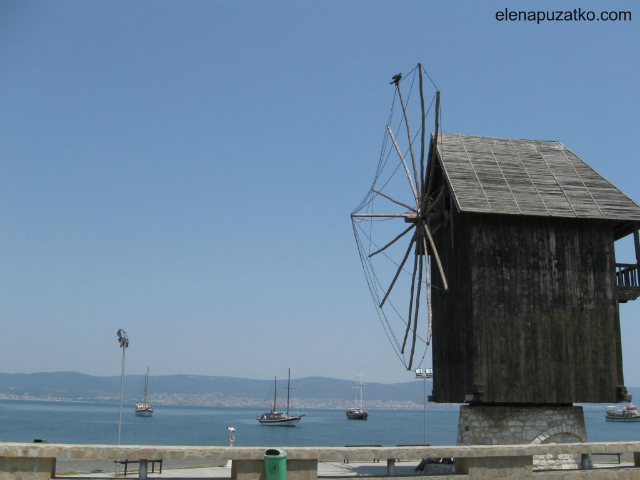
{"type": "Point", "coordinates": [395, 79]}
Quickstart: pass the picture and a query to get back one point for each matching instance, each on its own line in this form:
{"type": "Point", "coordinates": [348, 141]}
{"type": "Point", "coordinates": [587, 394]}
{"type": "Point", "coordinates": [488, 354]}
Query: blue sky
{"type": "Point", "coordinates": [185, 170]}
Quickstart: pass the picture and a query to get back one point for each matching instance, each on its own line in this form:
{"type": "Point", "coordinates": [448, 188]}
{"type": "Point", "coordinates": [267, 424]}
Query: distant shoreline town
{"type": "Point", "coordinates": [311, 392]}
{"type": "Point", "coordinates": [213, 400]}
{"type": "Point", "coordinates": [194, 390]}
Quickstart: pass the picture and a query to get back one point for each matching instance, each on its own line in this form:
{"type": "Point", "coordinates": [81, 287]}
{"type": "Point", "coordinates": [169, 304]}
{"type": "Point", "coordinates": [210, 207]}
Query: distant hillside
{"type": "Point", "coordinates": [310, 392]}
{"type": "Point", "coordinates": [197, 389]}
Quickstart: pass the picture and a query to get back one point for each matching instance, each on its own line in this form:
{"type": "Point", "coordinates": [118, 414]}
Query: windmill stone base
{"type": "Point", "coordinates": [511, 425]}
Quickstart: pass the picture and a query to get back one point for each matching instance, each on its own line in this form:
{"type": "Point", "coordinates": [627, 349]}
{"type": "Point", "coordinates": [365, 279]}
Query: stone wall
{"type": "Point", "coordinates": [515, 425]}
{"type": "Point", "coordinates": [23, 461]}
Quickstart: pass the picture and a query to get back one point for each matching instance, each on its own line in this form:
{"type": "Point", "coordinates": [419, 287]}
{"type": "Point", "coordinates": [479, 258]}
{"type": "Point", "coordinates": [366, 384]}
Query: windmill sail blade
{"type": "Point", "coordinates": [436, 256]}
{"type": "Point", "coordinates": [385, 264]}
{"type": "Point", "coordinates": [391, 242]}
{"type": "Point", "coordinates": [429, 310]}
{"type": "Point", "coordinates": [378, 215]}
{"type": "Point", "coordinates": [433, 204]}
{"type": "Point", "coordinates": [434, 147]}
{"type": "Point", "coordinates": [404, 260]}
{"type": "Point", "coordinates": [406, 167]}
{"type": "Point", "coordinates": [415, 321]}
{"type": "Point", "coordinates": [428, 289]}
{"type": "Point", "coordinates": [413, 282]}
{"type": "Point", "coordinates": [406, 122]}
{"type": "Point", "coordinates": [394, 200]}
{"type": "Point", "coordinates": [422, 133]}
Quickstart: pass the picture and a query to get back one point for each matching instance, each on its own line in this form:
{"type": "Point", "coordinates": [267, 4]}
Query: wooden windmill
{"type": "Point", "coordinates": [531, 316]}
{"type": "Point", "coordinates": [523, 299]}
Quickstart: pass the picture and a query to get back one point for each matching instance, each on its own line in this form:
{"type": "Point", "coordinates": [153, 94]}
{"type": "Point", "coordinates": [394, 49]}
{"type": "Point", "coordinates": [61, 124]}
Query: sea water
{"type": "Point", "coordinates": [98, 423]}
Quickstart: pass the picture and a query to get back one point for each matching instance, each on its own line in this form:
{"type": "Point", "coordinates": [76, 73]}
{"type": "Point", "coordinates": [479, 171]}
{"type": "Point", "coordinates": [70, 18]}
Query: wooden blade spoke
{"type": "Point", "coordinates": [394, 200]}
{"type": "Point", "coordinates": [415, 321]}
{"type": "Point", "coordinates": [429, 310]}
{"type": "Point", "coordinates": [413, 282]}
{"type": "Point", "coordinates": [434, 148]}
{"type": "Point", "coordinates": [404, 260]}
{"type": "Point", "coordinates": [392, 241]}
{"type": "Point", "coordinates": [427, 207]}
{"type": "Point", "coordinates": [406, 121]}
{"type": "Point", "coordinates": [406, 167]}
{"type": "Point", "coordinates": [434, 229]}
{"type": "Point", "coordinates": [422, 133]}
{"type": "Point", "coordinates": [436, 256]}
{"type": "Point", "coordinates": [378, 215]}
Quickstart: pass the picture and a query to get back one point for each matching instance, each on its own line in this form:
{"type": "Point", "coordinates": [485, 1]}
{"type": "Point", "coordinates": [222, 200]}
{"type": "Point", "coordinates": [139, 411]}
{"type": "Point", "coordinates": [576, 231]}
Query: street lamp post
{"type": "Point", "coordinates": [424, 373]}
{"type": "Point", "coordinates": [124, 343]}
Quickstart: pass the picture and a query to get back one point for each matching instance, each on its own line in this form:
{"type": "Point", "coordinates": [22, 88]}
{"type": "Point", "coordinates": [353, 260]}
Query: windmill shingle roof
{"type": "Point", "coordinates": [528, 177]}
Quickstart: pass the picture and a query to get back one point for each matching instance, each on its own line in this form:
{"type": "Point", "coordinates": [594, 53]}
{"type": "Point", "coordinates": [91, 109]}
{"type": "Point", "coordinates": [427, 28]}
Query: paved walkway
{"type": "Point", "coordinates": [325, 469]}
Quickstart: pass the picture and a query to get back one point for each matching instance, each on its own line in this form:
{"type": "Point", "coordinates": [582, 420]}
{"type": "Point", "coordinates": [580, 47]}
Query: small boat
{"type": "Point", "coordinates": [144, 409]}
{"type": "Point", "coordinates": [357, 412]}
{"type": "Point", "coordinates": [628, 413]}
{"type": "Point", "coordinates": [279, 419]}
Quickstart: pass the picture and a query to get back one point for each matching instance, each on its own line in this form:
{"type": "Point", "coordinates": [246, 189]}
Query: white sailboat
{"type": "Point", "coordinates": [144, 409]}
{"type": "Point", "coordinates": [279, 419]}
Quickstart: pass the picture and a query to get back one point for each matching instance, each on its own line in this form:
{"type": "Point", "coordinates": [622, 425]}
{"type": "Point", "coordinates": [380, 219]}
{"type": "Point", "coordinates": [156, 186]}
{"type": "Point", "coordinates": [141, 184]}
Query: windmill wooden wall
{"type": "Point", "coordinates": [531, 315]}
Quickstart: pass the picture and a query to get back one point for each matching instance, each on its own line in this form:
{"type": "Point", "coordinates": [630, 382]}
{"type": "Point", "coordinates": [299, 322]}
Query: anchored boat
{"type": "Point", "coordinates": [279, 419]}
{"type": "Point", "coordinates": [357, 412]}
{"type": "Point", "coordinates": [144, 409]}
{"type": "Point", "coordinates": [628, 413]}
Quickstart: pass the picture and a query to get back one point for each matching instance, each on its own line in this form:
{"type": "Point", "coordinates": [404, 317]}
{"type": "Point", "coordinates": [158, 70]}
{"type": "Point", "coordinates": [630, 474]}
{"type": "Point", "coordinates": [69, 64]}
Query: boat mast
{"type": "Point", "coordinates": [146, 385]}
{"type": "Point", "coordinates": [359, 390]}
{"type": "Point", "coordinates": [275, 393]}
{"type": "Point", "coordinates": [288, 390]}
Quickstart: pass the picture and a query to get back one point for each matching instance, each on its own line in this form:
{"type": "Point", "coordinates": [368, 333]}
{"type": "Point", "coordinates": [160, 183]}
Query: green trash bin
{"type": "Point", "coordinates": [275, 464]}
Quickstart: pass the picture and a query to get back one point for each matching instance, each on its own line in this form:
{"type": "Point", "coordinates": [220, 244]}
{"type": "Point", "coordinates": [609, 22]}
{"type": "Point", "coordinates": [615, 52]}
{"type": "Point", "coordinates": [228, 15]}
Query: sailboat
{"type": "Point", "coordinates": [357, 412]}
{"type": "Point", "coordinates": [144, 409]}
{"type": "Point", "coordinates": [275, 418]}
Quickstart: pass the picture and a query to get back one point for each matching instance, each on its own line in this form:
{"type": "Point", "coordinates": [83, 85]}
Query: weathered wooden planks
{"type": "Point", "coordinates": [528, 177]}
{"type": "Point", "coordinates": [530, 316]}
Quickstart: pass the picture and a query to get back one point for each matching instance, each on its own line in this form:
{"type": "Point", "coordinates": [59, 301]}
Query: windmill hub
{"type": "Point", "coordinates": [411, 217]}
{"type": "Point", "coordinates": [431, 218]}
